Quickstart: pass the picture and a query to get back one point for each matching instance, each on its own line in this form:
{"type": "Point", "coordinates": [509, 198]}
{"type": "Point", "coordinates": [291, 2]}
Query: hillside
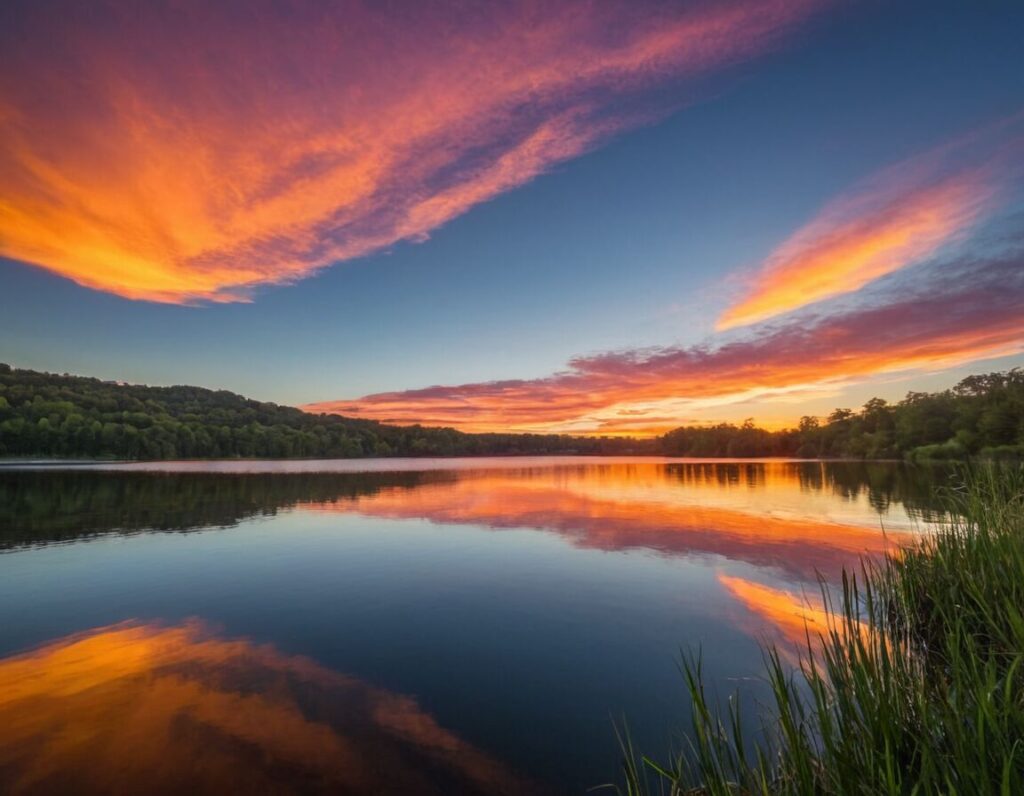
{"type": "Point", "coordinates": [61, 416]}
{"type": "Point", "coordinates": [49, 415]}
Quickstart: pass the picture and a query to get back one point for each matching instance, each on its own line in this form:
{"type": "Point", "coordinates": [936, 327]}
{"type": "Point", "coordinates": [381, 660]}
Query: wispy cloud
{"type": "Point", "coordinates": [190, 151]}
{"type": "Point", "coordinates": [955, 313]}
{"type": "Point", "coordinates": [895, 219]}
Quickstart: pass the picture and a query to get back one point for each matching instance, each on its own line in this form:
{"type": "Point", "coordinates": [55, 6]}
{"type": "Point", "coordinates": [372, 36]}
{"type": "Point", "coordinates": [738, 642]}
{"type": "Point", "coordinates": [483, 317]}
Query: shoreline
{"type": "Point", "coordinates": [460, 462]}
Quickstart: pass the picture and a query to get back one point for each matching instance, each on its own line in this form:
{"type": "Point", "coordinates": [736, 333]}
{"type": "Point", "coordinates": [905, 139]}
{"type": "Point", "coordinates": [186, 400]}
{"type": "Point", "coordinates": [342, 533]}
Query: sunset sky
{"type": "Point", "coordinates": [593, 217]}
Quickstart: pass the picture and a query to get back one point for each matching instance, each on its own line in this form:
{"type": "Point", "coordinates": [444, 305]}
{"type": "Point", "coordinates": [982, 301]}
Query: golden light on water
{"type": "Point", "coordinates": [144, 708]}
{"type": "Point", "coordinates": [675, 510]}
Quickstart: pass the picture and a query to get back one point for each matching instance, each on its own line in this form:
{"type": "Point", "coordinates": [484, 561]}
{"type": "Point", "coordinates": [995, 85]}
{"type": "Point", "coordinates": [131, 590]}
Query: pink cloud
{"type": "Point", "coordinates": [192, 151]}
{"type": "Point", "coordinates": [960, 313]}
{"type": "Point", "coordinates": [896, 218]}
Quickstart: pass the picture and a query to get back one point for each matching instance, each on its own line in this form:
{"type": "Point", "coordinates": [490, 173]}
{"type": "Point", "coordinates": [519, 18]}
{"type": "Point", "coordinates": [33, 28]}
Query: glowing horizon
{"type": "Point", "coordinates": [898, 219]}
{"type": "Point", "coordinates": [965, 314]}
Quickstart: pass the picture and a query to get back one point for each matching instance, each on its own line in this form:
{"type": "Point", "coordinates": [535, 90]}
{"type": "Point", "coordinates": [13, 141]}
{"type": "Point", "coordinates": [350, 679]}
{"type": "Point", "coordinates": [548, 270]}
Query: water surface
{"type": "Point", "coordinates": [401, 626]}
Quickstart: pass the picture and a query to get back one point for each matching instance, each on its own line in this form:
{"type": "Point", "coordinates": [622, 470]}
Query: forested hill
{"type": "Point", "coordinates": [49, 415]}
{"type": "Point", "coordinates": [46, 415]}
{"type": "Point", "coordinates": [982, 416]}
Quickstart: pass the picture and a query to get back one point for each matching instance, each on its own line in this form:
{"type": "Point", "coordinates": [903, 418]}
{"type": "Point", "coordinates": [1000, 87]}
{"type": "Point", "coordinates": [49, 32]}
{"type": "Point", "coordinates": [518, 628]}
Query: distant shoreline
{"type": "Point", "coordinates": [9, 463]}
{"type": "Point", "coordinates": [65, 420]}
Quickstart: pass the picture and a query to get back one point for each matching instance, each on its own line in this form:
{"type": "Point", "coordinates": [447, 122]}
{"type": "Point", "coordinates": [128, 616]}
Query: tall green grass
{"type": "Point", "coordinates": [917, 687]}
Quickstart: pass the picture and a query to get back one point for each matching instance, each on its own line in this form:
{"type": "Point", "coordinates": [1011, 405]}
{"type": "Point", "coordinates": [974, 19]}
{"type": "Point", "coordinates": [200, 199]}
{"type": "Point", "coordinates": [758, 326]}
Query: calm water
{"type": "Point", "coordinates": [430, 626]}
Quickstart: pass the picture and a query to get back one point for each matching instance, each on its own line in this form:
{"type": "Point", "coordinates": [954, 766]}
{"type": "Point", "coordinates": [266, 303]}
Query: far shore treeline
{"type": "Point", "coordinates": [43, 415]}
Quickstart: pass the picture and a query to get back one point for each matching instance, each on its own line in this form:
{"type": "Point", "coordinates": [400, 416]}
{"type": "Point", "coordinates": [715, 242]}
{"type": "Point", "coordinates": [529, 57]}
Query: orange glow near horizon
{"type": "Point", "coordinates": [965, 308]}
{"type": "Point", "coordinates": [848, 246]}
{"type": "Point", "coordinates": [965, 316]}
{"type": "Point", "coordinates": [195, 156]}
{"type": "Point", "coordinates": [115, 708]}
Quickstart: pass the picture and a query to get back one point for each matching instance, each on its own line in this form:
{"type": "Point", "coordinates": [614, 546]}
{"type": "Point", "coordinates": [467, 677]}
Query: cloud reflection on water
{"type": "Point", "coordinates": [772, 520]}
{"type": "Point", "coordinates": [146, 708]}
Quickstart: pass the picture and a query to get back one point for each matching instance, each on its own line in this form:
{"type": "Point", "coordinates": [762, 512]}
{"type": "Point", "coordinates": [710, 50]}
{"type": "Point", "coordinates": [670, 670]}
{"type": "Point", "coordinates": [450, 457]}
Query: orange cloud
{"type": "Point", "coordinates": [959, 313]}
{"type": "Point", "coordinates": [186, 151]}
{"type": "Point", "coordinates": [894, 219]}
{"type": "Point", "coordinates": [835, 255]}
{"type": "Point", "coordinates": [115, 709]}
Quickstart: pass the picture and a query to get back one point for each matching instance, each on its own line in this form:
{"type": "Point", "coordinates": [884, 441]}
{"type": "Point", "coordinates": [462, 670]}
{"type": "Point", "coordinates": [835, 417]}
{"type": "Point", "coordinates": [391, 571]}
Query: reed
{"type": "Point", "coordinates": [916, 687]}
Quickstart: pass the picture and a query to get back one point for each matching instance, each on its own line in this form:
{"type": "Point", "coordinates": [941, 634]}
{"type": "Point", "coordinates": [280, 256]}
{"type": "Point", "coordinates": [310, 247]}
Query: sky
{"type": "Point", "coordinates": [612, 218]}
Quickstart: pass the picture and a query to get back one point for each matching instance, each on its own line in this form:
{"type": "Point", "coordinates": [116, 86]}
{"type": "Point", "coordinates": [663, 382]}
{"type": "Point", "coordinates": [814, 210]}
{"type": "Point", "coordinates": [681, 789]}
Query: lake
{"type": "Point", "coordinates": [402, 626]}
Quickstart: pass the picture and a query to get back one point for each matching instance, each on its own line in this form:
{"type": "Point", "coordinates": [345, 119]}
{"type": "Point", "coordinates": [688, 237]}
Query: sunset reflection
{"type": "Point", "coordinates": [794, 617]}
{"type": "Point", "coordinates": [133, 707]}
{"type": "Point", "coordinates": [765, 515]}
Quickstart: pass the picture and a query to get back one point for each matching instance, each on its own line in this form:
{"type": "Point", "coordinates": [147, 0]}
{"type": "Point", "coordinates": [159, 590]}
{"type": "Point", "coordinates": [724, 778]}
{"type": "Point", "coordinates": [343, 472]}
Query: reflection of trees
{"type": "Point", "coordinates": [719, 474]}
{"type": "Point", "coordinates": [45, 506]}
{"type": "Point", "coordinates": [882, 483]}
{"type": "Point", "coordinates": [137, 708]}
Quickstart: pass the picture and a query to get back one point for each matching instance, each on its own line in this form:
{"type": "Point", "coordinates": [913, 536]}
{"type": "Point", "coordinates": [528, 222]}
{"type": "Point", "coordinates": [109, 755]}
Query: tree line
{"type": "Point", "coordinates": [982, 416]}
{"type": "Point", "coordinates": [62, 416]}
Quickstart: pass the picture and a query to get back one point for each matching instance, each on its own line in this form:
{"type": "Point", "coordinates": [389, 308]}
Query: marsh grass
{"type": "Point", "coordinates": [916, 687]}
